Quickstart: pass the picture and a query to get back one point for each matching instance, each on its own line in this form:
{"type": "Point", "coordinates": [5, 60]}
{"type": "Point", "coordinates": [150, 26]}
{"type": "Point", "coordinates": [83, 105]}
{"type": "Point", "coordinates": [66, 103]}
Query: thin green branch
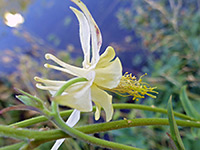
{"type": "Point", "coordinates": [50, 135]}
{"type": "Point", "coordinates": [82, 136]}
{"type": "Point", "coordinates": [39, 119]}
{"type": "Point", "coordinates": [16, 146]}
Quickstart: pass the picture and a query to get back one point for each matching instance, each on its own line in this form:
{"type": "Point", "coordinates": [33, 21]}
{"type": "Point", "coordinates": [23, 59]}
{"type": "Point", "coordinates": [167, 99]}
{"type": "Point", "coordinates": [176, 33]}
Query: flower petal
{"type": "Point", "coordinates": [51, 89]}
{"type": "Point", "coordinates": [106, 57]}
{"type": "Point", "coordinates": [78, 96]}
{"type": "Point", "coordinates": [49, 82]}
{"type": "Point", "coordinates": [42, 87]}
{"type": "Point", "coordinates": [95, 32]}
{"type": "Point", "coordinates": [57, 144]}
{"type": "Point", "coordinates": [73, 118]}
{"type": "Point", "coordinates": [51, 85]}
{"type": "Point", "coordinates": [110, 75]}
{"type": "Point", "coordinates": [103, 99]}
{"type": "Point", "coordinates": [98, 111]}
{"type": "Point", "coordinates": [73, 70]}
{"type": "Point", "coordinates": [84, 36]}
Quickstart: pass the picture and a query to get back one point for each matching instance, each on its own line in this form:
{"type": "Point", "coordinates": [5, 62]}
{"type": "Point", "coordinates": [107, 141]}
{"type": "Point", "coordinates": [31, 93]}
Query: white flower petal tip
{"type": "Point", "coordinates": [48, 56]}
{"type": "Point", "coordinates": [38, 79]}
{"type": "Point", "coordinates": [47, 66]}
{"type": "Point", "coordinates": [39, 86]}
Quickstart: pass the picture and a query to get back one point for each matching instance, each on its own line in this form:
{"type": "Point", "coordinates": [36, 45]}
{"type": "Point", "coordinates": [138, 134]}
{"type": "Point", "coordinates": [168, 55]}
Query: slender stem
{"type": "Point", "coordinates": [16, 146]}
{"type": "Point", "coordinates": [89, 129]}
{"type": "Point", "coordinates": [39, 119]}
{"type": "Point", "coordinates": [70, 82]}
{"type": "Point", "coordinates": [150, 108]}
{"type": "Point", "coordinates": [45, 136]}
{"type": "Point", "coordinates": [82, 136]}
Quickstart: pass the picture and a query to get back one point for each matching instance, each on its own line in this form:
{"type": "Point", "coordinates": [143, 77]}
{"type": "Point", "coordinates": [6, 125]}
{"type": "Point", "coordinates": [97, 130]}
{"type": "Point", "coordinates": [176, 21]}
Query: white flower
{"type": "Point", "coordinates": [102, 72]}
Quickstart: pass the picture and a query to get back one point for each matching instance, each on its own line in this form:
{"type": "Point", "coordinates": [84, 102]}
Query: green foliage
{"type": "Point", "coordinates": [169, 32]}
{"type": "Point", "coordinates": [187, 105]}
{"type": "Point", "coordinates": [175, 135]}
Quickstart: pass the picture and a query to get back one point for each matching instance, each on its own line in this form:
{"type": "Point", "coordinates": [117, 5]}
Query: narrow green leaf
{"type": "Point", "coordinates": [26, 100]}
{"type": "Point", "coordinates": [173, 127]}
{"type": "Point", "coordinates": [13, 147]}
{"type": "Point", "coordinates": [29, 101]}
{"type": "Point", "coordinates": [30, 96]}
{"type": "Point", "coordinates": [19, 107]}
{"type": "Point", "coordinates": [188, 107]}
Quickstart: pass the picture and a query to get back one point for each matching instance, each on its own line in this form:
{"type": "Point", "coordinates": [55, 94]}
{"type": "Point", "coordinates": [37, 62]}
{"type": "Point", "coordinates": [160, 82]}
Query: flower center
{"type": "Point", "coordinates": [130, 86]}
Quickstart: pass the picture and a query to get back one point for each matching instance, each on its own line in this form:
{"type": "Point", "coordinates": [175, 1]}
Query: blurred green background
{"type": "Point", "coordinates": [158, 37]}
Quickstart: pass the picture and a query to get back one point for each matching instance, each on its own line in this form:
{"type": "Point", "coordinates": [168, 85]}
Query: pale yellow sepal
{"type": "Point", "coordinates": [103, 99]}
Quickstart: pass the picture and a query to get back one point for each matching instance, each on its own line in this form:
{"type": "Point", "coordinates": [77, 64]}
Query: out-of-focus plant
{"type": "Point", "coordinates": [21, 64]}
{"type": "Point", "coordinates": [169, 31]}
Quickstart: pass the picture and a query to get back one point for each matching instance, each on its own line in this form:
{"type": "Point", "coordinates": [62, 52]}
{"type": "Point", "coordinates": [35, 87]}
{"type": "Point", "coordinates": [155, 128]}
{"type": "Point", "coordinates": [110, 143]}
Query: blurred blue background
{"type": "Point", "coordinates": [50, 26]}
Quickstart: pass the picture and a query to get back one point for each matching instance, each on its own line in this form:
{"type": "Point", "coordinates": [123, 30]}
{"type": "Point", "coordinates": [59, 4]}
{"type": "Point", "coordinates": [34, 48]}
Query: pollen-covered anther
{"type": "Point", "coordinates": [130, 86]}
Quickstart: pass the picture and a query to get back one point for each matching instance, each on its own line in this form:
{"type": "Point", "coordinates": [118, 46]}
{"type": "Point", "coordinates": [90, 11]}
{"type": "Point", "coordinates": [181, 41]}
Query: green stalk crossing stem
{"type": "Point", "coordinates": [80, 135]}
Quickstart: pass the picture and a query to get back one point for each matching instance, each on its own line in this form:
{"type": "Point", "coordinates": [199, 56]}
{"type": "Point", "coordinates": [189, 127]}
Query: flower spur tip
{"type": "Point", "coordinates": [46, 65]}
{"type": "Point", "coordinates": [38, 85]}
{"type": "Point", "coordinates": [36, 78]}
{"type": "Point", "coordinates": [48, 56]}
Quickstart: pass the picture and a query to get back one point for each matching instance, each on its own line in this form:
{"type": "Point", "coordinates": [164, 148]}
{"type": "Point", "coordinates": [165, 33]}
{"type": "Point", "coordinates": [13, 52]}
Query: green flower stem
{"type": "Point", "coordinates": [82, 136]}
{"type": "Point", "coordinates": [13, 146]}
{"type": "Point", "coordinates": [150, 108]}
{"type": "Point", "coordinates": [89, 129]}
{"type": "Point", "coordinates": [70, 82]}
{"type": "Point", "coordinates": [66, 113]}
{"type": "Point", "coordinates": [56, 118]}
{"type": "Point", "coordinates": [45, 136]}
{"type": "Point", "coordinates": [35, 120]}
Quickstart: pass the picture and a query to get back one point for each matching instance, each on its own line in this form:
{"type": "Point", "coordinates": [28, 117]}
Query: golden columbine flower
{"type": "Point", "coordinates": [102, 72]}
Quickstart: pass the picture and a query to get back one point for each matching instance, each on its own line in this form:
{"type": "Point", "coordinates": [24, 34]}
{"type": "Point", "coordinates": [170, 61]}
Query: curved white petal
{"type": "Point", "coordinates": [71, 121]}
{"type": "Point", "coordinates": [95, 32]}
{"type": "Point", "coordinates": [57, 144]}
{"type": "Point", "coordinates": [52, 89]}
{"type": "Point", "coordinates": [84, 36]}
{"type": "Point", "coordinates": [110, 75]}
{"type": "Point", "coordinates": [73, 118]}
{"type": "Point", "coordinates": [78, 96]}
{"type": "Point", "coordinates": [49, 82]}
{"type": "Point", "coordinates": [73, 70]}
{"type": "Point", "coordinates": [51, 85]}
{"type": "Point", "coordinates": [103, 99]}
{"type": "Point", "coordinates": [49, 88]}
{"type": "Point", "coordinates": [106, 57]}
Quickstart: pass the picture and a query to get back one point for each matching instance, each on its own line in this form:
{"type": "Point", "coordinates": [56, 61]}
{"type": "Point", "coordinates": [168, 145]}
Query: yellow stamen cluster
{"type": "Point", "coordinates": [130, 86]}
